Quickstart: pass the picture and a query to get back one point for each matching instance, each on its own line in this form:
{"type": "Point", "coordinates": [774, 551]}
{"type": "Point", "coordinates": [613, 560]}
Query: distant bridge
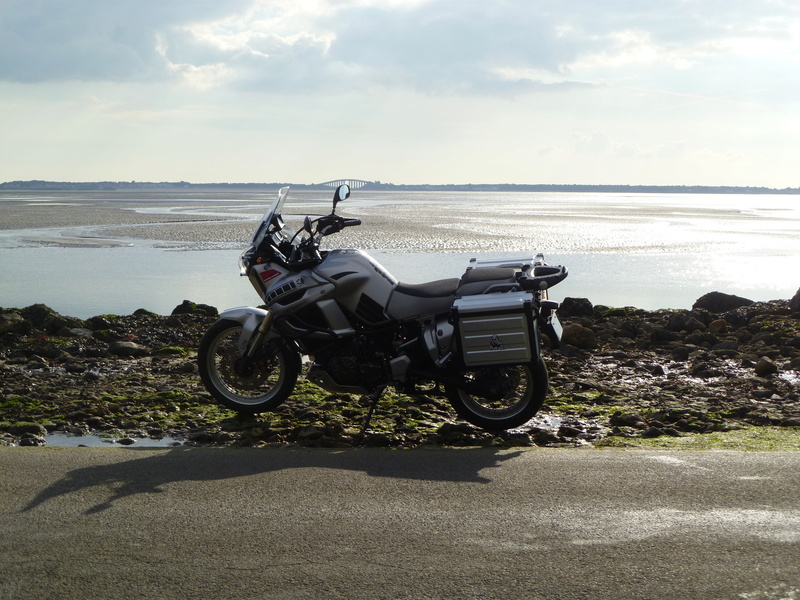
{"type": "Point", "coordinates": [353, 183]}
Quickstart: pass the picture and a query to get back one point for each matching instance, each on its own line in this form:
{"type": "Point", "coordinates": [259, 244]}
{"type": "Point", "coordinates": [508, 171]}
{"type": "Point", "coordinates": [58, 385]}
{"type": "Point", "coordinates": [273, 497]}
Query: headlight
{"type": "Point", "coordinates": [244, 263]}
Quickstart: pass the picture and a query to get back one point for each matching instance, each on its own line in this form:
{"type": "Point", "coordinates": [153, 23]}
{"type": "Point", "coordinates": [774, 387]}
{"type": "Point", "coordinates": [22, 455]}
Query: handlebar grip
{"type": "Point", "coordinates": [352, 222]}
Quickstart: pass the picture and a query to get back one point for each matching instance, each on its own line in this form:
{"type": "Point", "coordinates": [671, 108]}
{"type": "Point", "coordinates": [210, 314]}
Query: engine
{"type": "Point", "coordinates": [355, 365]}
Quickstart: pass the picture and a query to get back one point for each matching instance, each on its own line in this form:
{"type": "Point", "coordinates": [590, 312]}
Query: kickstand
{"type": "Point", "coordinates": [374, 397]}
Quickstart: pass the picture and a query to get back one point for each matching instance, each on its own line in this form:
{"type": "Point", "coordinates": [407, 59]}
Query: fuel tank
{"type": "Point", "coordinates": [363, 285]}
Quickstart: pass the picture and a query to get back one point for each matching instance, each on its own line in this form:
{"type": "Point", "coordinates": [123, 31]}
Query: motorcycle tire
{"type": "Point", "coordinates": [259, 385]}
{"type": "Point", "coordinates": [514, 408]}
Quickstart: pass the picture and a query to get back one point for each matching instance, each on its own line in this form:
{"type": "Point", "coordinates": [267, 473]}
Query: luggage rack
{"type": "Point", "coordinates": [515, 262]}
{"type": "Point", "coordinates": [536, 274]}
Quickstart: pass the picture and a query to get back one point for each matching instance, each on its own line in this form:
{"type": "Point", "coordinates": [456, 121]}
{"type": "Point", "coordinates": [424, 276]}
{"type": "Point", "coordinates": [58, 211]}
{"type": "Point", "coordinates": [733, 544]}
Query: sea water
{"type": "Point", "coordinates": [646, 250]}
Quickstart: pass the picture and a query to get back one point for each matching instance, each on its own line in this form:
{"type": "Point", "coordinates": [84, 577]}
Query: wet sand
{"type": "Point", "coordinates": [407, 228]}
{"type": "Point", "coordinates": [422, 222]}
{"type": "Point", "coordinates": [651, 251]}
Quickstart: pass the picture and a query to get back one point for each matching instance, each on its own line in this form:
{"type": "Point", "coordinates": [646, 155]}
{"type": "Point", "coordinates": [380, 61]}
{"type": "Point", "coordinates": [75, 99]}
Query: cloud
{"type": "Point", "coordinates": [595, 143]}
{"type": "Point", "coordinates": [63, 40]}
{"type": "Point", "coordinates": [450, 47]}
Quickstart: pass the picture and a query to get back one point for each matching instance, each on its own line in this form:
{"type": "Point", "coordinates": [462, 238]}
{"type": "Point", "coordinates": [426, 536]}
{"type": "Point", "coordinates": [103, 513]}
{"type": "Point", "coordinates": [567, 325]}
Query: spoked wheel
{"type": "Point", "coordinates": [500, 397]}
{"type": "Point", "coordinates": [252, 385]}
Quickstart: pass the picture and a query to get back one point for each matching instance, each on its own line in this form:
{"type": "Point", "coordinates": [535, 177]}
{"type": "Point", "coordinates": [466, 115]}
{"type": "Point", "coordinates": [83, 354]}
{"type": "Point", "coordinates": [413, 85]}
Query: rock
{"type": "Point", "coordinates": [45, 318]}
{"type": "Point", "coordinates": [309, 414]}
{"type": "Point", "coordinates": [794, 303]}
{"type": "Point", "coordinates": [378, 440]}
{"type": "Point", "coordinates": [670, 381]}
{"type": "Point", "coordinates": [681, 353]}
{"type": "Point", "coordinates": [36, 362]}
{"type": "Point", "coordinates": [173, 321]}
{"type": "Point", "coordinates": [662, 335]}
{"type": "Point", "coordinates": [726, 345]}
{"type": "Point", "coordinates": [13, 323]}
{"type": "Point", "coordinates": [620, 311]}
{"type": "Point", "coordinates": [543, 437]}
{"type": "Point", "coordinates": [628, 419]}
{"type": "Point", "coordinates": [32, 440]}
{"type": "Point", "coordinates": [38, 315]}
{"type": "Point", "coordinates": [718, 326]}
{"type": "Point", "coordinates": [188, 367]}
{"type": "Point", "coordinates": [569, 431]}
{"type": "Point", "coordinates": [684, 321]}
{"type": "Point", "coordinates": [74, 366]}
{"type": "Point", "coordinates": [579, 336]}
{"type": "Point", "coordinates": [765, 337]}
{"type": "Point", "coordinates": [652, 432]}
{"type": "Point", "coordinates": [717, 302]}
{"type": "Point", "coordinates": [128, 349]}
{"type": "Point", "coordinates": [97, 423]}
{"type": "Point", "coordinates": [452, 432]}
{"type": "Point", "coordinates": [192, 308]}
{"type": "Point", "coordinates": [626, 329]}
{"type": "Point", "coordinates": [98, 322]}
{"type": "Point", "coordinates": [704, 370]}
{"type": "Point", "coordinates": [702, 339]}
{"type": "Point", "coordinates": [656, 370]}
{"type": "Point", "coordinates": [107, 335]}
{"type": "Point", "coordinates": [765, 367]}
{"type": "Point", "coordinates": [516, 440]}
{"type": "Point", "coordinates": [576, 307]}
{"type": "Point", "coordinates": [77, 332]}
{"type": "Point", "coordinates": [309, 433]}
{"type": "Point", "coordinates": [27, 428]}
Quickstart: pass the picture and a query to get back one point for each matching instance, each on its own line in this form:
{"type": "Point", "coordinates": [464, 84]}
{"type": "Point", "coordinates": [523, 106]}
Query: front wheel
{"type": "Point", "coordinates": [251, 385]}
{"type": "Point", "coordinates": [502, 397]}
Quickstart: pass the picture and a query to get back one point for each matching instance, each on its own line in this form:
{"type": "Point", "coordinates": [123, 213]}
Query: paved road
{"type": "Point", "coordinates": [429, 523]}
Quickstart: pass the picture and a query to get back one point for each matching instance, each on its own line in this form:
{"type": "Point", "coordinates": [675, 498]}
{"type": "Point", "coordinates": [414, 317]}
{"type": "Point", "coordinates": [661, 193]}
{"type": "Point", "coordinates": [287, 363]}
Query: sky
{"type": "Point", "coordinates": [640, 92]}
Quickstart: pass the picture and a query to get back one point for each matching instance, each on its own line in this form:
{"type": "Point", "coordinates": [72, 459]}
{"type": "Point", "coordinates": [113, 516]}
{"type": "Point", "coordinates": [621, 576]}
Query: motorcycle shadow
{"type": "Point", "coordinates": [152, 473]}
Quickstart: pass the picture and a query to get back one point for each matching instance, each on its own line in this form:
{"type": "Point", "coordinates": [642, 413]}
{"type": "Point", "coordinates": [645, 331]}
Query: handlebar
{"type": "Point", "coordinates": [306, 253]}
{"type": "Point", "coordinates": [334, 223]}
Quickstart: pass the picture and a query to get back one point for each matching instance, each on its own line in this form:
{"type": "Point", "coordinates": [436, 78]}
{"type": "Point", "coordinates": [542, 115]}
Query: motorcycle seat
{"type": "Point", "coordinates": [410, 300]}
{"type": "Point", "coordinates": [480, 281]}
{"type": "Point", "coordinates": [432, 289]}
{"type": "Point", "coordinates": [475, 275]}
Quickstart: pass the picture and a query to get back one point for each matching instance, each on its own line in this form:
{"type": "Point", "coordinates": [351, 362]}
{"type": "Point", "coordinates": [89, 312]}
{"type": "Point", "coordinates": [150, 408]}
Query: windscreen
{"type": "Point", "coordinates": [273, 209]}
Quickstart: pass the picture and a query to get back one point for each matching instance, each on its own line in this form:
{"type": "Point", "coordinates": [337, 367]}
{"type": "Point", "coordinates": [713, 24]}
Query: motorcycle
{"type": "Point", "coordinates": [478, 336]}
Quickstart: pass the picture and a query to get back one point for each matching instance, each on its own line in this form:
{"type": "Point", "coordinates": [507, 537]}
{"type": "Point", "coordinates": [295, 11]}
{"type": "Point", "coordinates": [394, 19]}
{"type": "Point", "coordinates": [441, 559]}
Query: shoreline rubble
{"type": "Point", "coordinates": [620, 374]}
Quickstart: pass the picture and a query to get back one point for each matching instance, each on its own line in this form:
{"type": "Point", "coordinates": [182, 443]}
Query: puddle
{"type": "Point", "coordinates": [76, 242]}
{"type": "Point", "coordinates": [73, 441]}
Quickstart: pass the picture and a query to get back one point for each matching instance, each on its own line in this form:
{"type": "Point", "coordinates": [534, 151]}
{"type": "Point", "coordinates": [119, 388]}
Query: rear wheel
{"type": "Point", "coordinates": [500, 397]}
{"type": "Point", "coordinates": [246, 384]}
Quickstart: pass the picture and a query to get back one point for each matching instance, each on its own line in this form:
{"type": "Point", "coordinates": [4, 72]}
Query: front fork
{"type": "Point", "coordinates": [256, 325]}
{"type": "Point", "coordinates": [260, 333]}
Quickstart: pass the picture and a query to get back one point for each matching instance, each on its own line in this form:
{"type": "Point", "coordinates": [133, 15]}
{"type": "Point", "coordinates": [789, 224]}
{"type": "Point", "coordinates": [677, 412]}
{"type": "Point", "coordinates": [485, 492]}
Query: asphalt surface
{"type": "Point", "coordinates": [370, 523]}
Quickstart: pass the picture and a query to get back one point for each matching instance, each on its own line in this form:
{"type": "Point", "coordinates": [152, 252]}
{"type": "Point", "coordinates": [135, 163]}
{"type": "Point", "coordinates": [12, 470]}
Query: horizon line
{"type": "Point", "coordinates": [376, 184]}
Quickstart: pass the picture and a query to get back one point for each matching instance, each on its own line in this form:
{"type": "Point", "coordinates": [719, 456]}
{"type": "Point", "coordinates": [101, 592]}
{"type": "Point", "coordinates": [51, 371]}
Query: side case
{"type": "Point", "coordinates": [496, 329]}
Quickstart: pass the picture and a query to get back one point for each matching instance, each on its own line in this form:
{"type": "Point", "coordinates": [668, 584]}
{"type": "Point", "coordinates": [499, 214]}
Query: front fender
{"type": "Point", "coordinates": [250, 317]}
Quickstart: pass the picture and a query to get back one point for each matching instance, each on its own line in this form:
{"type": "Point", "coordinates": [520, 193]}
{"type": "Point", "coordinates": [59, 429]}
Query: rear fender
{"type": "Point", "coordinates": [250, 318]}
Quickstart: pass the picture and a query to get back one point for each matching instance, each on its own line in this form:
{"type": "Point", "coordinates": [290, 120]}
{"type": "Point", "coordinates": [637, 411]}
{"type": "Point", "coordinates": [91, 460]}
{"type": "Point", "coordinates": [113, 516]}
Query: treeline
{"type": "Point", "coordinates": [39, 185]}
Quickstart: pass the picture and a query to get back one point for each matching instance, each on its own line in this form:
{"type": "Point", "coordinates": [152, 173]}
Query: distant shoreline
{"type": "Point", "coordinates": [39, 185]}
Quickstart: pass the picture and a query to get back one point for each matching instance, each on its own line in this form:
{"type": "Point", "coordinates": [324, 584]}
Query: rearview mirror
{"type": "Point", "coordinates": [342, 193]}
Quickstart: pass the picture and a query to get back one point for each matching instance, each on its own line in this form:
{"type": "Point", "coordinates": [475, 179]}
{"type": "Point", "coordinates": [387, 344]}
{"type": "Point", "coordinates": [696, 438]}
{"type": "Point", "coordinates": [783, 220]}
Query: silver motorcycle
{"type": "Point", "coordinates": [474, 339]}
